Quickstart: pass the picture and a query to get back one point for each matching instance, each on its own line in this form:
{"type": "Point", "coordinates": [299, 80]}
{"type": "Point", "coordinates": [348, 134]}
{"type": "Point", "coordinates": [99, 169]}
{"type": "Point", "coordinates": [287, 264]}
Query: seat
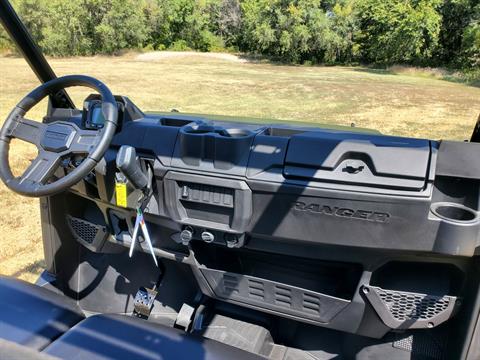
{"type": "Point", "coordinates": [33, 316]}
{"type": "Point", "coordinates": [122, 337]}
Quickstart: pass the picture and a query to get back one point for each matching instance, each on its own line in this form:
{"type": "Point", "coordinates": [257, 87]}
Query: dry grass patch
{"type": "Point", "coordinates": [391, 103]}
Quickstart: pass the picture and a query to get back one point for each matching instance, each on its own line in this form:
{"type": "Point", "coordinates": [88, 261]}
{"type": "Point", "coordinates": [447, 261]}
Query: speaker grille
{"type": "Point", "coordinates": [410, 306]}
{"type": "Point", "coordinates": [83, 230]}
{"type": "Point", "coordinates": [408, 310]}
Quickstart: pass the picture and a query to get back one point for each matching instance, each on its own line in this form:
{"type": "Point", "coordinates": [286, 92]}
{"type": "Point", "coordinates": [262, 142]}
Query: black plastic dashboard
{"type": "Point", "coordinates": [294, 220]}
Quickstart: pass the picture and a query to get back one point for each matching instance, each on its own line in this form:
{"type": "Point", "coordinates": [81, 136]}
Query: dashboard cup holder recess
{"type": "Point", "coordinates": [225, 148]}
{"type": "Point", "coordinates": [458, 233]}
{"type": "Point", "coordinates": [455, 213]}
{"type": "Point", "coordinates": [217, 131]}
{"type": "Point", "coordinates": [235, 133]}
{"type": "Point", "coordinates": [198, 129]}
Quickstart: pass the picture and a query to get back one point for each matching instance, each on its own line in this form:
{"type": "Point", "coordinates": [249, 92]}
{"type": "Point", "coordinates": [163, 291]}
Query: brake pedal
{"type": "Point", "coordinates": [185, 317]}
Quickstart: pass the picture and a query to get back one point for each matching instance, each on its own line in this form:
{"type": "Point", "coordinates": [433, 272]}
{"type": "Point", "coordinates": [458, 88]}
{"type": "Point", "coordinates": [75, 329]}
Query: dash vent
{"type": "Point", "coordinates": [311, 303]}
{"type": "Point", "coordinates": [283, 296]}
{"type": "Point", "coordinates": [230, 284]}
{"type": "Point", "coordinates": [256, 289]}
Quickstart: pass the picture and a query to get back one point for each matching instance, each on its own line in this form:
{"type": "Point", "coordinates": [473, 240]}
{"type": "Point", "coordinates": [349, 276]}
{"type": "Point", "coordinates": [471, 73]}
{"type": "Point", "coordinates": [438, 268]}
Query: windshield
{"type": "Point", "coordinates": [279, 60]}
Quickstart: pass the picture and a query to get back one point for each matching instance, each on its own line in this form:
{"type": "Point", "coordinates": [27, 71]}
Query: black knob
{"type": "Point", "coordinates": [207, 236]}
{"type": "Point", "coordinates": [186, 235]}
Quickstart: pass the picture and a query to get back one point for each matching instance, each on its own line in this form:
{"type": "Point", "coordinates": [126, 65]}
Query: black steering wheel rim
{"type": "Point", "coordinates": [66, 137]}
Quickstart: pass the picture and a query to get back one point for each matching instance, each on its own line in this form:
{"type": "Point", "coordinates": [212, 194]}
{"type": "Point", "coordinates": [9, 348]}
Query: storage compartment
{"type": "Point", "coordinates": [282, 131]}
{"type": "Point", "coordinates": [122, 224]}
{"type": "Point", "coordinates": [330, 278]}
{"type": "Point", "coordinates": [314, 290]}
{"type": "Point", "coordinates": [359, 159]}
{"type": "Point", "coordinates": [174, 122]}
{"type": "Point", "coordinates": [199, 129]}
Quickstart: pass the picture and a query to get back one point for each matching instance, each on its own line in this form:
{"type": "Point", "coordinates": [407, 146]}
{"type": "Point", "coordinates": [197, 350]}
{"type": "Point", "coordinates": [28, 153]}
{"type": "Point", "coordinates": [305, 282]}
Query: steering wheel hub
{"type": "Point", "coordinates": [58, 137]}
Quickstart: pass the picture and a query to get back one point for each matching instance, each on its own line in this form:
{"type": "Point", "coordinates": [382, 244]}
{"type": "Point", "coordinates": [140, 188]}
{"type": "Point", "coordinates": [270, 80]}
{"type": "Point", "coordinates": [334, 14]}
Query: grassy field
{"type": "Point", "coordinates": [393, 104]}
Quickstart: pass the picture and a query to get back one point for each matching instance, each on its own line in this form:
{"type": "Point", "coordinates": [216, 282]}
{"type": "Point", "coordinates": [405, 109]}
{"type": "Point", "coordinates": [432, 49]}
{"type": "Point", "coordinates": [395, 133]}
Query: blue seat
{"type": "Point", "coordinates": [33, 316]}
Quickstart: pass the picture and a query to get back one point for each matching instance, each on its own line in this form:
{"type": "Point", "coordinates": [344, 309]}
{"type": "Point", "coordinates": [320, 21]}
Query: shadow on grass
{"type": "Point", "coordinates": [454, 77]}
{"type": "Point", "coordinates": [34, 268]}
{"type": "Point", "coordinates": [374, 71]}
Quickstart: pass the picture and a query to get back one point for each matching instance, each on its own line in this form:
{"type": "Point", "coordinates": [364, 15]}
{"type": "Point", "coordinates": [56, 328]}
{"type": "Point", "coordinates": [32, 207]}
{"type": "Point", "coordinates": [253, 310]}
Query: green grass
{"type": "Point", "coordinates": [392, 103]}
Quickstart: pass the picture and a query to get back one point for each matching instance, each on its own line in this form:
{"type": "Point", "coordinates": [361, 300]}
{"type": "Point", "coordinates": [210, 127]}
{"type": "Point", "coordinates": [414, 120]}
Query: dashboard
{"type": "Point", "coordinates": [265, 212]}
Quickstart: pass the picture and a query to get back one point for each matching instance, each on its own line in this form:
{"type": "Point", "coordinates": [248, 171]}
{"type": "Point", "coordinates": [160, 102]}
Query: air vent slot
{"type": "Point", "coordinates": [256, 289]}
{"type": "Point", "coordinates": [283, 296]}
{"type": "Point", "coordinates": [311, 303]}
{"type": "Point", "coordinates": [230, 284]}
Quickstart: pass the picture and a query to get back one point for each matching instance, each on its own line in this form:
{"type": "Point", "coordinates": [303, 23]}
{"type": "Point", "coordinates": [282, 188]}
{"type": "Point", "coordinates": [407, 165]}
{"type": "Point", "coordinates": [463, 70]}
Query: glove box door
{"type": "Point", "coordinates": [359, 159]}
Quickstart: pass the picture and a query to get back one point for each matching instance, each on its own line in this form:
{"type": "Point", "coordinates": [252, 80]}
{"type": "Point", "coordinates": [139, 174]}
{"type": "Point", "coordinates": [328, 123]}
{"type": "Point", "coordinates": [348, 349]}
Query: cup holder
{"type": "Point", "coordinates": [454, 212]}
{"type": "Point", "coordinates": [235, 133]}
{"type": "Point", "coordinates": [202, 129]}
{"type": "Point", "coordinates": [214, 145]}
{"type": "Point", "coordinates": [217, 131]}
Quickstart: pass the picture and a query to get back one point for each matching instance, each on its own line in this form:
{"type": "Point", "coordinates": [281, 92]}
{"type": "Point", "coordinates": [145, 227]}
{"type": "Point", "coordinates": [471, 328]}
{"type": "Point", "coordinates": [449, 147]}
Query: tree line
{"type": "Point", "coordinates": [417, 32]}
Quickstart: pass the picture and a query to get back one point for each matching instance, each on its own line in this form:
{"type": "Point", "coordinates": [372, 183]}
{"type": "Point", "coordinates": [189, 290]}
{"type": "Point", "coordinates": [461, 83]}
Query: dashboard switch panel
{"type": "Point", "coordinates": [206, 202]}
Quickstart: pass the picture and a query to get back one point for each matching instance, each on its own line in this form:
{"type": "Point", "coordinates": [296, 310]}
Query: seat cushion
{"type": "Point", "coordinates": [123, 337]}
{"type": "Point", "coordinates": [34, 316]}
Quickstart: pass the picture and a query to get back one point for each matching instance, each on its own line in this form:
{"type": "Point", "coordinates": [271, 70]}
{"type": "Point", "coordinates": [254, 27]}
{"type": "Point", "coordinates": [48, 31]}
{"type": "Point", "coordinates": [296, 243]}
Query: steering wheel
{"type": "Point", "coordinates": [55, 141]}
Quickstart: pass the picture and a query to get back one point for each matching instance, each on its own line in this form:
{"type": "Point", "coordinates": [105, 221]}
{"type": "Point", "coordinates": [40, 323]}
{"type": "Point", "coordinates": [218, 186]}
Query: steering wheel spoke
{"type": "Point", "coordinates": [40, 170]}
{"type": "Point", "coordinates": [85, 141]}
{"type": "Point", "coordinates": [27, 130]}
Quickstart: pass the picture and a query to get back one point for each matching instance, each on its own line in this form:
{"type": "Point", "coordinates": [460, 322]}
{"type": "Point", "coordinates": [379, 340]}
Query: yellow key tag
{"type": "Point", "coordinates": [121, 194]}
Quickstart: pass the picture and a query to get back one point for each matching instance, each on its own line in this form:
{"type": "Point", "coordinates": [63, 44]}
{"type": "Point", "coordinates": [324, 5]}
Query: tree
{"type": "Point", "coordinates": [122, 27]}
{"type": "Point", "coordinates": [421, 32]}
{"type": "Point", "coordinates": [63, 32]}
{"type": "Point", "coordinates": [5, 43]}
{"type": "Point", "coordinates": [471, 40]}
{"type": "Point", "coordinates": [456, 17]}
{"type": "Point", "coordinates": [226, 18]}
{"type": "Point", "coordinates": [34, 14]}
{"type": "Point", "coordinates": [398, 31]}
